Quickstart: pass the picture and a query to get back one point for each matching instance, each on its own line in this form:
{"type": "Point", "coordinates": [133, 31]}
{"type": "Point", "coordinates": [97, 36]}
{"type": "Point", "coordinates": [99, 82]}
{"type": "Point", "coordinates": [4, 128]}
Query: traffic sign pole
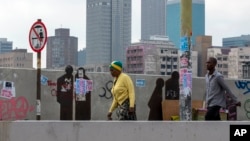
{"type": "Point", "coordinates": [38, 115]}
{"type": "Point", "coordinates": [37, 40]}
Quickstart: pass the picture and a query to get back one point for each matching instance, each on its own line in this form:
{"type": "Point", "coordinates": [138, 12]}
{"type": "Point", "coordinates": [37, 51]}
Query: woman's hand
{"type": "Point", "coordinates": [109, 116]}
{"type": "Point", "coordinates": [131, 109]}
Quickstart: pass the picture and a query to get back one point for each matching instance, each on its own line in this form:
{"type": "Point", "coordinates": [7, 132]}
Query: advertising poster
{"type": "Point", "coordinates": [82, 86]}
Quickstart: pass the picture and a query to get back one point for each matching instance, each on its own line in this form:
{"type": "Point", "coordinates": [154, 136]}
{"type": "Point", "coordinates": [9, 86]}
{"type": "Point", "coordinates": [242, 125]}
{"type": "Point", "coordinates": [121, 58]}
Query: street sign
{"type": "Point", "coordinates": [38, 36]}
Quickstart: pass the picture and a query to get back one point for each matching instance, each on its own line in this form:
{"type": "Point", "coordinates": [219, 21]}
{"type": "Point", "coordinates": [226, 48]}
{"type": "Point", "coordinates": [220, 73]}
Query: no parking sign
{"type": "Point", "coordinates": [38, 36]}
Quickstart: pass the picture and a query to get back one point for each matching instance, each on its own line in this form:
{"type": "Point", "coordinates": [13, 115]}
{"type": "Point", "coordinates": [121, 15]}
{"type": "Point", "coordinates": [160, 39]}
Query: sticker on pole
{"type": "Point", "coordinates": [38, 36]}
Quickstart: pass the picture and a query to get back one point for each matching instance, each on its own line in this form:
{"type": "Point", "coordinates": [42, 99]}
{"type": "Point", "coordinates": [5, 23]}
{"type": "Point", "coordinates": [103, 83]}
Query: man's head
{"type": "Point", "coordinates": [115, 68]}
{"type": "Point", "coordinates": [211, 63]}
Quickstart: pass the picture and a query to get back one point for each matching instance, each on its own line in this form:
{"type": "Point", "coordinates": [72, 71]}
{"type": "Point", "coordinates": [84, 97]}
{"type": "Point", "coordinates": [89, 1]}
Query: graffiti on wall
{"type": "Point", "coordinates": [52, 84]}
{"type": "Point", "coordinates": [247, 108]}
{"type": "Point", "coordinates": [15, 108]}
{"type": "Point", "coordinates": [243, 84]}
{"type": "Point", "coordinates": [106, 90]}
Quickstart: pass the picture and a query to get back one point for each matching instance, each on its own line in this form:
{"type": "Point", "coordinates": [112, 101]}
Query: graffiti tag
{"type": "Point", "coordinates": [242, 84]}
{"type": "Point", "coordinates": [106, 91]}
{"type": "Point", "coordinates": [15, 109]}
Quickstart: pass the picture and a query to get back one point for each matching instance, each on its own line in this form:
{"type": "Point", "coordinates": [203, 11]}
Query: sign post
{"type": "Point", "coordinates": [37, 40]}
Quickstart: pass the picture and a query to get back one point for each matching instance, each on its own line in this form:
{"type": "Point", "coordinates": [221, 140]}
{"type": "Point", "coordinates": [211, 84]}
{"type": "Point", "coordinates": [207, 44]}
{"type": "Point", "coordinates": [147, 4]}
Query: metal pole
{"type": "Point", "coordinates": [185, 61]}
{"type": "Point", "coordinates": [38, 101]}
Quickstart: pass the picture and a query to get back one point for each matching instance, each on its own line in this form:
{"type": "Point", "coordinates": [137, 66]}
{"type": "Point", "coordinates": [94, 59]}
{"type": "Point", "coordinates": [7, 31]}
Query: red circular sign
{"type": "Point", "coordinates": [38, 36]}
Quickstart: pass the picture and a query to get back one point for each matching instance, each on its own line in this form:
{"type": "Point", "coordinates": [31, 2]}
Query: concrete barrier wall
{"type": "Point", "coordinates": [115, 131]}
{"type": "Point", "coordinates": [23, 106]}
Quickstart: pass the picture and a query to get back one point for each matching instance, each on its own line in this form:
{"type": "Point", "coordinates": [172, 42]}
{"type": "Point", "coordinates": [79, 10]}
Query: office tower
{"type": "Point", "coordinates": [62, 49]}
{"type": "Point", "coordinates": [81, 57]}
{"type": "Point", "coordinates": [18, 58]}
{"type": "Point", "coordinates": [173, 20]}
{"type": "Point", "coordinates": [153, 18]}
{"type": "Point", "coordinates": [5, 45]}
{"type": "Point", "coordinates": [240, 41]}
{"type": "Point", "coordinates": [108, 30]}
{"type": "Point", "coordinates": [201, 45]}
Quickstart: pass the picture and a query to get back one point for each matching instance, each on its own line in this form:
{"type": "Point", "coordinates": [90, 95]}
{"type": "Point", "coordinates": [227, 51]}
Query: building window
{"type": "Point", "coordinates": [225, 66]}
{"type": "Point", "coordinates": [163, 66]}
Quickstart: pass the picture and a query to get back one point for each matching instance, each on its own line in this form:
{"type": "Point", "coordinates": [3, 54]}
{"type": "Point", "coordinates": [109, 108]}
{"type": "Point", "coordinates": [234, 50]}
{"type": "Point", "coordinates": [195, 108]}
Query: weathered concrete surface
{"type": "Point", "coordinates": [23, 106]}
{"type": "Point", "coordinates": [115, 131]}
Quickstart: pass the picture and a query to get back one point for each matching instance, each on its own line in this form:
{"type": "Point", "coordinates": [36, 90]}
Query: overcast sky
{"type": "Point", "coordinates": [224, 18]}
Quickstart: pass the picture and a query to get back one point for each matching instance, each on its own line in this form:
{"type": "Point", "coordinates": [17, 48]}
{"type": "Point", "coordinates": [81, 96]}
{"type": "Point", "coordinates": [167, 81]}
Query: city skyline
{"type": "Point", "coordinates": [223, 18]}
{"type": "Point", "coordinates": [13, 12]}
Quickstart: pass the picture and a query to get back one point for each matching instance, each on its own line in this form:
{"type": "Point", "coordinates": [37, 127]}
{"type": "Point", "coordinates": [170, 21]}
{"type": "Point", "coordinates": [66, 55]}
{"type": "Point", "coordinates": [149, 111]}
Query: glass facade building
{"type": "Point", "coordinates": [173, 20]}
{"type": "Point", "coordinates": [241, 41]}
{"type": "Point", "coordinates": [108, 30]}
{"type": "Point", "coordinates": [153, 16]}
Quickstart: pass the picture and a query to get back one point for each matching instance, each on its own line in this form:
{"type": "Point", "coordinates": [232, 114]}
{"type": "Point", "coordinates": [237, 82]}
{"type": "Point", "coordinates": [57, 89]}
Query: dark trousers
{"type": "Point", "coordinates": [213, 113]}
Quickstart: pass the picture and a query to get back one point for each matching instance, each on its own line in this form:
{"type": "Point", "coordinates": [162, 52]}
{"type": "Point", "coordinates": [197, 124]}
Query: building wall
{"type": "Point", "coordinates": [153, 18]}
{"type": "Point", "coordinates": [155, 56]}
{"type": "Point", "coordinates": [81, 61]}
{"type": "Point", "coordinates": [201, 46]}
{"type": "Point", "coordinates": [23, 105]}
{"type": "Point", "coordinates": [230, 60]}
{"type": "Point", "coordinates": [18, 58]}
{"type": "Point", "coordinates": [122, 131]}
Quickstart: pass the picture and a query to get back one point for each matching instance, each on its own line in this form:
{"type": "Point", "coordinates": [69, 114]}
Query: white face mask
{"type": "Point", "coordinates": [80, 73]}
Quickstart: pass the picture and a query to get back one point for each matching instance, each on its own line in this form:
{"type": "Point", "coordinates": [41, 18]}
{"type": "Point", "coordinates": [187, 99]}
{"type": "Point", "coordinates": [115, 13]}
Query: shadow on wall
{"type": "Point", "coordinates": [171, 93]}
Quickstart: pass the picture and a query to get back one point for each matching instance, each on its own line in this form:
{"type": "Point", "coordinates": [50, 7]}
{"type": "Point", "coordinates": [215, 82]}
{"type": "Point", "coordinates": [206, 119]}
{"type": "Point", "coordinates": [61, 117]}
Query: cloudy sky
{"type": "Point", "coordinates": [224, 18]}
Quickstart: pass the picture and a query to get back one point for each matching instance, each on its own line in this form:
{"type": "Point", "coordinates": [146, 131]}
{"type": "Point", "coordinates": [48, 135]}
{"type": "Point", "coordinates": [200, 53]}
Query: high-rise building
{"type": "Point", "coordinates": [201, 45]}
{"type": "Point", "coordinates": [240, 41]}
{"type": "Point", "coordinates": [173, 20]}
{"type": "Point", "coordinates": [81, 57]}
{"type": "Point", "coordinates": [108, 30]}
{"type": "Point", "coordinates": [62, 49]}
{"type": "Point", "coordinates": [153, 18]}
{"type": "Point", "coordinates": [5, 45]}
{"type": "Point", "coordinates": [18, 58]}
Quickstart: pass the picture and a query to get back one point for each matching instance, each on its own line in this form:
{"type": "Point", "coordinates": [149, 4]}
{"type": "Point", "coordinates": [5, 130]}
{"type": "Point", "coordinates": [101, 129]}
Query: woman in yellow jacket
{"type": "Point", "coordinates": [123, 94]}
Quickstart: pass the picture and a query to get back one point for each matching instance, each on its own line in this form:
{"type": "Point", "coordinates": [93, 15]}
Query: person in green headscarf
{"type": "Point", "coordinates": [123, 94]}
